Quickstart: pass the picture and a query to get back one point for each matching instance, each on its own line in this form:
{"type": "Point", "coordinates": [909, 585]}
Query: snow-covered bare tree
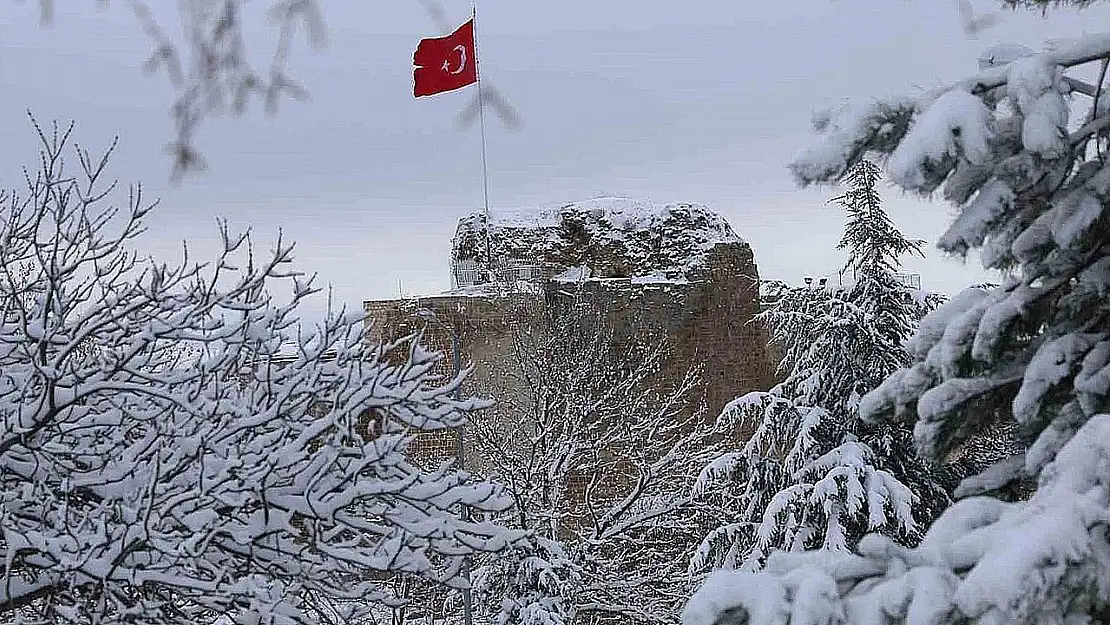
{"type": "Point", "coordinates": [205, 48]}
{"type": "Point", "coordinates": [144, 483]}
{"type": "Point", "coordinates": [812, 474]}
{"type": "Point", "coordinates": [600, 450]}
{"type": "Point", "coordinates": [1021, 150]}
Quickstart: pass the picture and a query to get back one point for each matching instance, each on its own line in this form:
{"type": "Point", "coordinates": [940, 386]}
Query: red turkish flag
{"type": "Point", "coordinates": [445, 63]}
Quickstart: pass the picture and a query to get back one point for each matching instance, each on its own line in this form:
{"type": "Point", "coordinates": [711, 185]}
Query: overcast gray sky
{"type": "Point", "coordinates": [700, 100]}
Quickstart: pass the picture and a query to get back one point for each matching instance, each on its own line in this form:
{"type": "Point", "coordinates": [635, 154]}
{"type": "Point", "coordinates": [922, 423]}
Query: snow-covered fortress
{"type": "Point", "coordinates": [675, 269]}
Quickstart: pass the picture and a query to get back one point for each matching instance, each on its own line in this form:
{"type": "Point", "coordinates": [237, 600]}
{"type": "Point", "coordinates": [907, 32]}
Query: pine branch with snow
{"type": "Point", "coordinates": [1045, 560]}
{"type": "Point", "coordinates": [1020, 149]}
{"type": "Point", "coordinates": [534, 583]}
{"type": "Point", "coordinates": [811, 475]}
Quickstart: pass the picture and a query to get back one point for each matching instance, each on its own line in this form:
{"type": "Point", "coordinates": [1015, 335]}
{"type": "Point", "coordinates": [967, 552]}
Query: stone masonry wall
{"type": "Point", "coordinates": [484, 327]}
{"type": "Point", "coordinates": [707, 323]}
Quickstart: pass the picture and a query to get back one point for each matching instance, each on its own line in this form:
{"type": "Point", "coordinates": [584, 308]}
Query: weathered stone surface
{"type": "Point", "coordinates": [613, 237]}
{"type": "Point", "coordinates": [676, 271]}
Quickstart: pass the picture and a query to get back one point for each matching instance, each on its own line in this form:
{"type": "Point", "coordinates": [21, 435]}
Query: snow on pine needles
{"type": "Point", "coordinates": [1020, 149]}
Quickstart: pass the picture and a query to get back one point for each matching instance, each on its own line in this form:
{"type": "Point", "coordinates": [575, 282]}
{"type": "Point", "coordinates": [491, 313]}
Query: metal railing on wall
{"type": "Point", "coordinates": [467, 272]}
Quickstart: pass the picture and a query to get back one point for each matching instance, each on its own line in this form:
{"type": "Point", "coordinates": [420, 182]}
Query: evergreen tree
{"type": "Point", "coordinates": [812, 474]}
{"type": "Point", "coordinates": [535, 582]}
{"type": "Point", "coordinates": [1024, 158]}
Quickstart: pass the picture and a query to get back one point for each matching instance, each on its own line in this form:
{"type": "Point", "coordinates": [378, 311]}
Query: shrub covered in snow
{"type": "Point", "coordinates": [536, 582]}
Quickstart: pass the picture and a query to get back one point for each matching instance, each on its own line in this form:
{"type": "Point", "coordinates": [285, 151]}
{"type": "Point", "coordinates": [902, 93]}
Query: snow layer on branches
{"type": "Point", "coordinates": [176, 447]}
{"type": "Point", "coordinates": [933, 384]}
{"type": "Point", "coordinates": [846, 131]}
{"type": "Point", "coordinates": [1037, 88]}
{"type": "Point", "coordinates": [971, 227]}
{"type": "Point", "coordinates": [956, 125]}
{"type": "Point", "coordinates": [1041, 561]}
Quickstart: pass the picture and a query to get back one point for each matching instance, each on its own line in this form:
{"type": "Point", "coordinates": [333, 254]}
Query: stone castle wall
{"type": "Point", "coordinates": [706, 323]}
{"type": "Point", "coordinates": [674, 273]}
{"type": "Point", "coordinates": [484, 328]}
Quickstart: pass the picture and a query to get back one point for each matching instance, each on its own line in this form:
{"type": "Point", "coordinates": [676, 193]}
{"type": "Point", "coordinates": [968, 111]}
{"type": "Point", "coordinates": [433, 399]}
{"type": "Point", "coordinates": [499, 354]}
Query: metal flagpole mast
{"type": "Point", "coordinates": [468, 607]}
{"type": "Point", "coordinates": [482, 132]}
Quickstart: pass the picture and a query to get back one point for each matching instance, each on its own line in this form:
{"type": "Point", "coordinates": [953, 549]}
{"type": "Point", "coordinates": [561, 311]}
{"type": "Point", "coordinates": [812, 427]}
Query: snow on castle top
{"type": "Point", "coordinates": [611, 237]}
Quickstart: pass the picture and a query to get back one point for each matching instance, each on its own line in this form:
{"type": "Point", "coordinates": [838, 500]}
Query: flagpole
{"type": "Point", "coordinates": [482, 132]}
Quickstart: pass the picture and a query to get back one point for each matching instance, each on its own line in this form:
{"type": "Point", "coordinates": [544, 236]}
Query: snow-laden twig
{"type": "Point", "coordinates": [165, 459]}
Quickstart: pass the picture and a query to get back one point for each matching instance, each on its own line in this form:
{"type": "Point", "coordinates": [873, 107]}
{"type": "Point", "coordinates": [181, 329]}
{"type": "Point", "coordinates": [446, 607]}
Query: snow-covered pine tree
{"type": "Point", "coordinates": [1022, 150]}
{"type": "Point", "coordinates": [185, 469]}
{"type": "Point", "coordinates": [875, 250]}
{"type": "Point", "coordinates": [891, 312]}
{"type": "Point", "coordinates": [535, 582]}
{"type": "Point", "coordinates": [812, 474]}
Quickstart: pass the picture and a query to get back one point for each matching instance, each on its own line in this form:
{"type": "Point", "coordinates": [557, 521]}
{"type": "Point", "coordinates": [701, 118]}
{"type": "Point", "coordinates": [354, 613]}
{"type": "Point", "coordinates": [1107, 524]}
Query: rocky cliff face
{"type": "Point", "coordinates": [608, 237]}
